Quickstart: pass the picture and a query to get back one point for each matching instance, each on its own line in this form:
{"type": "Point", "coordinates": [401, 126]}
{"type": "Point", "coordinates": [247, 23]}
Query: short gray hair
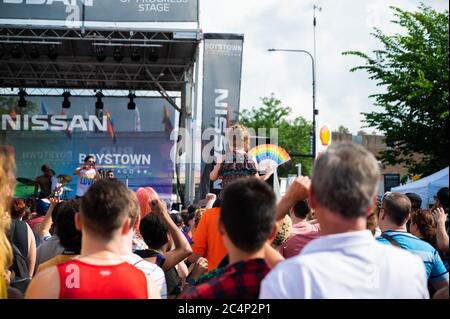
{"type": "Point", "coordinates": [345, 179]}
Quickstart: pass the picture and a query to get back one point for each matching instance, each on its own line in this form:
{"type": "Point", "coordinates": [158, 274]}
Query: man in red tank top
{"type": "Point", "coordinates": [100, 272]}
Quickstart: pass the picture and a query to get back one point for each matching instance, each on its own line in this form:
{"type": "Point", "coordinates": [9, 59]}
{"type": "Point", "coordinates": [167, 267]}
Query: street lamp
{"type": "Point", "coordinates": [315, 111]}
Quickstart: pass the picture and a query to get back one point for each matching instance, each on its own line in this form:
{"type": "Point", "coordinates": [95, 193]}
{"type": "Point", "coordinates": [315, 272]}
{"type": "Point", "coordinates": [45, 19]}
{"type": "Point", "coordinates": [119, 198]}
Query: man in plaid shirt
{"type": "Point", "coordinates": [247, 221]}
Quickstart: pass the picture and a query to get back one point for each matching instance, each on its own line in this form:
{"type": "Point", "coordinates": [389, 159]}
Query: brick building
{"type": "Point", "coordinates": [375, 144]}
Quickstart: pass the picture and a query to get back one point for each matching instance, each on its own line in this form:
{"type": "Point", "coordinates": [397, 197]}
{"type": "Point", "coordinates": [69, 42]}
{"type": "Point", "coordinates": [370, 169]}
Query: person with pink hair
{"type": "Point", "coordinates": [145, 196]}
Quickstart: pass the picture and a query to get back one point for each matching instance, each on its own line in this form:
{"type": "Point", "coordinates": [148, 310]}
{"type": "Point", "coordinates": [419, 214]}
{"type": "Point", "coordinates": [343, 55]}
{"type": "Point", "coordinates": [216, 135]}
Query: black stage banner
{"type": "Point", "coordinates": [222, 68]}
{"type": "Point", "coordinates": [114, 11]}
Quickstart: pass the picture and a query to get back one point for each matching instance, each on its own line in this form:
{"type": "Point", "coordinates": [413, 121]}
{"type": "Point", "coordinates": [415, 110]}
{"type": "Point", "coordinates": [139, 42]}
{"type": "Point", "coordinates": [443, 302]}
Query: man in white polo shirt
{"type": "Point", "coordinates": [346, 262]}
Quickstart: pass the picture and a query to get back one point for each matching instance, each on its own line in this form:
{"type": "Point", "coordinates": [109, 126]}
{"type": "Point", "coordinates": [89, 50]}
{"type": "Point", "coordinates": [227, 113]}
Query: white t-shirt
{"type": "Point", "coordinates": [151, 271]}
{"type": "Point", "coordinates": [86, 178]}
{"type": "Point", "coordinates": [347, 266]}
{"type": "Point", "coordinates": [54, 183]}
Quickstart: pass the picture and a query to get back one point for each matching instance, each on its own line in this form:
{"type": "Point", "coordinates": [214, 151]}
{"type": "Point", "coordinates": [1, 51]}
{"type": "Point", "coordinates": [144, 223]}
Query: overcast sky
{"type": "Point", "coordinates": [342, 25]}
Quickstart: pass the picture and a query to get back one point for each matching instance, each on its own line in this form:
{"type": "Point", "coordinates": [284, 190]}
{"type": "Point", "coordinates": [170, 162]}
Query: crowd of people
{"type": "Point", "coordinates": [329, 237]}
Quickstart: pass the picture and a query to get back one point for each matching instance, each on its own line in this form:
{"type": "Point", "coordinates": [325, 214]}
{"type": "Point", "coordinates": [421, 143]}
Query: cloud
{"type": "Point", "coordinates": [342, 25]}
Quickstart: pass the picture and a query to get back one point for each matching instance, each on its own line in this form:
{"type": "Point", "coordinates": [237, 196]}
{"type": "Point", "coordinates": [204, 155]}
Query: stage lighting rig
{"type": "Point", "coordinates": [34, 52]}
{"type": "Point", "coordinates": [66, 103]}
{"type": "Point", "coordinates": [22, 101]}
{"type": "Point", "coordinates": [52, 52]}
{"type": "Point", "coordinates": [153, 55]}
{"type": "Point", "coordinates": [100, 54]}
{"type": "Point", "coordinates": [135, 55]}
{"type": "Point", "coordinates": [131, 104]}
{"type": "Point", "coordinates": [118, 54]}
{"type": "Point", "coordinates": [99, 103]}
{"type": "Point", "coordinates": [16, 52]}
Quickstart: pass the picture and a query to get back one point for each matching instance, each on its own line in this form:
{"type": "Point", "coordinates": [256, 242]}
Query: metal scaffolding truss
{"type": "Point", "coordinates": [85, 92]}
{"type": "Point", "coordinates": [148, 60]}
{"type": "Point", "coordinates": [87, 75]}
{"type": "Point", "coordinates": [49, 60]}
{"type": "Point", "coordinates": [113, 36]}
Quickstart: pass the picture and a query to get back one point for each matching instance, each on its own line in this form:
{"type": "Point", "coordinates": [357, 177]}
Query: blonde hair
{"type": "Point", "coordinates": [238, 137]}
{"type": "Point", "coordinates": [198, 215]}
{"type": "Point", "coordinates": [7, 184]}
{"type": "Point", "coordinates": [135, 208]}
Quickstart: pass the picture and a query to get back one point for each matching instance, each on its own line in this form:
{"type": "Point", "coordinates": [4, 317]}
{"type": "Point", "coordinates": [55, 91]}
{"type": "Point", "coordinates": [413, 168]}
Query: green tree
{"type": "Point", "coordinates": [342, 129]}
{"type": "Point", "coordinates": [412, 68]}
{"type": "Point", "coordinates": [293, 135]}
{"type": "Point", "coordinates": [7, 104]}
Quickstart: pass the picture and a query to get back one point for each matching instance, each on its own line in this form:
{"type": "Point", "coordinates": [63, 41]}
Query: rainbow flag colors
{"type": "Point", "coordinates": [269, 156]}
{"type": "Point", "coordinates": [111, 127]}
{"type": "Point", "coordinates": [168, 127]}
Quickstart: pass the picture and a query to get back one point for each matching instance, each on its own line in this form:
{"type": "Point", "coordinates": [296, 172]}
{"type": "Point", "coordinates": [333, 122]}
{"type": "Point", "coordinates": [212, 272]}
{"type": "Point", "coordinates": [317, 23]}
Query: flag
{"type": "Point", "coordinates": [13, 115]}
{"type": "Point", "coordinates": [137, 120]}
{"type": "Point", "coordinates": [68, 131]}
{"type": "Point", "coordinates": [43, 109]}
{"type": "Point", "coordinates": [168, 127]}
{"type": "Point", "coordinates": [111, 127]}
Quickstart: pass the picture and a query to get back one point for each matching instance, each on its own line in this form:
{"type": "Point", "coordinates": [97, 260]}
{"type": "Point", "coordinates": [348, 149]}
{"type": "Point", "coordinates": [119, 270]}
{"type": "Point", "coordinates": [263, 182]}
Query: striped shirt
{"type": "Point", "coordinates": [151, 271]}
{"type": "Point", "coordinates": [434, 266]}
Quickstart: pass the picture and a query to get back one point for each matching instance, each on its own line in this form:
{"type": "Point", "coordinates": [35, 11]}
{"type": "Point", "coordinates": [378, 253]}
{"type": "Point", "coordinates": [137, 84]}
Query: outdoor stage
{"type": "Point", "coordinates": [100, 50]}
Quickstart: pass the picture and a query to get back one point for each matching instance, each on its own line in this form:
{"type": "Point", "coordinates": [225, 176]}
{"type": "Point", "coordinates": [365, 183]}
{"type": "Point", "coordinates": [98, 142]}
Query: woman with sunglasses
{"type": "Point", "coordinates": [87, 175]}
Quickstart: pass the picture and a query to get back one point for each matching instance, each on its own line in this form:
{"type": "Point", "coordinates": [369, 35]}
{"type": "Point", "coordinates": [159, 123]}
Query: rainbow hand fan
{"type": "Point", "coordinates": [269, 156]}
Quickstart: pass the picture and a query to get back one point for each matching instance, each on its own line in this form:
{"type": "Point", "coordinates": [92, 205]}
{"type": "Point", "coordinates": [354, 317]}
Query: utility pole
{"type": "Point", "coordinates": [316, 111]}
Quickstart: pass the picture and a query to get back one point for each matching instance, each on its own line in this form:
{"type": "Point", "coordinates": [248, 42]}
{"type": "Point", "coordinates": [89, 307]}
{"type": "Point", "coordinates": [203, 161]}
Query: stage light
{"type": "Point", "coordinates": [135, 55]}
{"type": "Point", "coordinates": [153, 55]}
{"type": "Point", "coordinates": [34, 52]}
{"type": "Point", "coordinates": [99, 103]}
{"type": "Point", "coordinates": [118, 54]}
{"type": "Point", "coordinates": [66, 103]}
{"type": "Point", "coordinates": [132, 104]}
{"type": "Point", "coordinates": [52, 52]}
{"type": "Point", "coordinates": [100, 54]}
{"type": "Point", "coordinates": [22, 101]}
{"type": "Point", "coordinates": [16, 51]}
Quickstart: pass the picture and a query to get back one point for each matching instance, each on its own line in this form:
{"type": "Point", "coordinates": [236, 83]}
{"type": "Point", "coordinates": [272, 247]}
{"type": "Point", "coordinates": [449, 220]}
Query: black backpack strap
{"type": "Point", "coordinates": [391, 240]}
{"type": "Point", "coordinates": [20, 236]}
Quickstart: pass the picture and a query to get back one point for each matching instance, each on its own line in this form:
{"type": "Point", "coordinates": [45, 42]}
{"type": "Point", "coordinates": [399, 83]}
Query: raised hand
{"type": "Point", "coordinates": [200, 268]}
{"type": "Point", "coordinates": [159, 208]}
{"type": "Point", "coordinates": [53, 201]}
{"type": "Point", "coordinates": [299, 189]}
{"type": "Point", "coordinates": [439, 216]}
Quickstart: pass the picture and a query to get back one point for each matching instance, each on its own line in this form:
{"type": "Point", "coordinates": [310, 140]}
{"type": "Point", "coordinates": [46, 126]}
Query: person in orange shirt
{"type": "Point", "coordinates": [208, 241]}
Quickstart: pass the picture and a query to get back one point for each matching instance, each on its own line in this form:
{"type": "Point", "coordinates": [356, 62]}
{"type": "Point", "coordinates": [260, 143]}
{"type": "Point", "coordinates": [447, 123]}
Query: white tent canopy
{"type": "Point", "coordinates": [426, 187]}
